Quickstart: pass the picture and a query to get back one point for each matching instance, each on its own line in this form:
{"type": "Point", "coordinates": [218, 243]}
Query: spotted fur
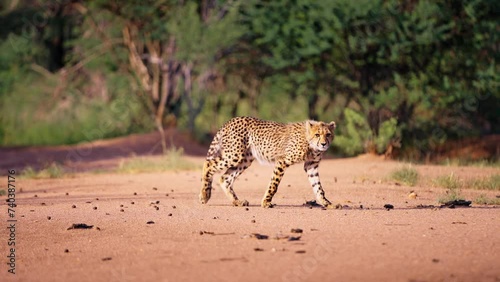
{"type": "Point", "coordinates": [243, 139]}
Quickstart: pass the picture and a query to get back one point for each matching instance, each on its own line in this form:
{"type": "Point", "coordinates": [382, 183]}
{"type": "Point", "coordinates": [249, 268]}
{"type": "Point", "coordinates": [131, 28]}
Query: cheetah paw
{"type": "Point", "coordinates": [268, 205]}
{"type": "Point", "coordinates": [204, 199]}
{"type": "Point", "coordinates": [239, 203]}
{"type": "Point", "coordinates": [205, 195]}
{"type": "Point", "coordinates": [332, 206]}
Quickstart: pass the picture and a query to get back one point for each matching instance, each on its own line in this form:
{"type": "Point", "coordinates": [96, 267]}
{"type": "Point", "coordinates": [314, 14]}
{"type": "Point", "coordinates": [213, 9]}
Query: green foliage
{"type": "Point", "coordinates": [357, 137]}
{"type": "Point", "coordinates": [423, 71]}
{"type": "Point", "coordinates": [485, 200]}
{"type": "Point", "coordinates": [32, 115]}
{"type": "Point", "coordinates": [52, 170]}
{"type": "Point", "coordinates": [452, 194]}
{"type": "Point", "coordinates": [487, 183]}
{"type": "Point", "coordinates": [172, 160]}
{"type": "Point", "coordinates": [451, 182]}
{"type": "Point", "coordinates": [205, 40]}
{"type": "Point", "coordinates": [470, 162]}
{"type": "Point", "coordinates": [406, 175]}
{"type": "Point", "coordinates": [453, 185]}
{"type": "Point", "coordinates": [491, 182]}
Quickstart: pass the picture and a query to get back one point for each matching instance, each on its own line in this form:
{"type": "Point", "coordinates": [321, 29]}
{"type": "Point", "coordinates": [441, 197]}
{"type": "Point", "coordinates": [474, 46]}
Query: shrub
{"type": "Point", "coordinates": [406, 175]}
{"type": "Point", "coordinates": [357, 137]}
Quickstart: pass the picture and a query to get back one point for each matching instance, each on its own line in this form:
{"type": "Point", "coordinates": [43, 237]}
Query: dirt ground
{"type": "Point", "coordinates": [187, 241]}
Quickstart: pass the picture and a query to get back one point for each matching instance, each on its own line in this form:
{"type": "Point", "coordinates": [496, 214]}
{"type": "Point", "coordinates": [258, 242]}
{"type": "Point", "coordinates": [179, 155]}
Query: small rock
{"type": "Point", "coordinates": [49, 217]}
{"type": "Point", "coordinates": [95, 208]}
{"type": "Point", "coordinates": [294, 238]}
{"type": "Point", "coordinates": [258, 236]}
{"type": "Point", "coordinates": [206, 232]}
{"type": "Point", "coordinates": [67, 193]}
{"type": "Point", "coordinates": [258, 249]}
{"type": "Point", "coordinates": [135, 193]}
{"type": "Point", "coordinates": [150, 222]}
{"type": "Point", "coordinates": [154, 188]}
{"type": "Point", "coordinates": [253, 221]}
{"type": "Point", "coordinates": [300, 252]}
{"type": "Point", "coordinates": [312, 203]}
{"type": "Point", "coordinates": [174, 207]}
{"type": "Point", "coordinates": [106, 259]}
{"type": "Point", "coordinates": [66, 251]}
{"type": "Point", "coordinates": [157, 202]}
{"type": "Point", "coordinates": [435, 260]}
{"type": "Point", "coordinates": [80, 226]}
{"type": "Point", "coordinates": [169, 214]}
{"type": "Point", "coordinates": [388, 207]}
{"type": "Point", "coordinates": [296, 230]}
{"type": "Point", "coordinates": [453, 204]}
{"type": "Point", "coordinates": [281, 237]}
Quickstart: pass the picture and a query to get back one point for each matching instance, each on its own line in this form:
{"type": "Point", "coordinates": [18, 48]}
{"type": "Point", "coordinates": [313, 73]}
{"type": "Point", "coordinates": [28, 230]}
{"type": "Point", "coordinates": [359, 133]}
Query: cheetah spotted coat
{"type": "Point", "coordinates": [243, 139]}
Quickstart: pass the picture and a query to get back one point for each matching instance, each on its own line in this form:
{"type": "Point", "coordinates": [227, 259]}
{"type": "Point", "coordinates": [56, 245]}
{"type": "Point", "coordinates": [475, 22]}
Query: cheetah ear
{"type": "Point", "coordinates": [332, 126]}
{"type": "Point", "coordinates": [309, 125]}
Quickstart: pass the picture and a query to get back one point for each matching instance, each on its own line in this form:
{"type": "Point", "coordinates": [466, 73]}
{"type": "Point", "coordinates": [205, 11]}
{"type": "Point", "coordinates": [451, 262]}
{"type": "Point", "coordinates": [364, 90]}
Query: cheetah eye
{"type": "Point", "coordinates": [328, 134]}
{"type": "Point", "coordinates": [317, 135]}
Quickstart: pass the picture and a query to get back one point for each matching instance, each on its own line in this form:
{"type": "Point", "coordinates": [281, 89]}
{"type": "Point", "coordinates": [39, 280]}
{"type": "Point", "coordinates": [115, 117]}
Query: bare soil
{"type": "Point", "coordinates": [150, 227]}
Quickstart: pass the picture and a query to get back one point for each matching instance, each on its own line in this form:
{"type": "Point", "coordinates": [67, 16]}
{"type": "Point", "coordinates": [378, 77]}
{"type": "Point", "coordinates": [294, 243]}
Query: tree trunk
{"type": "Point", "coordinates": [188, 87]}
{"type": "Point", "coordinates": [311, 103]}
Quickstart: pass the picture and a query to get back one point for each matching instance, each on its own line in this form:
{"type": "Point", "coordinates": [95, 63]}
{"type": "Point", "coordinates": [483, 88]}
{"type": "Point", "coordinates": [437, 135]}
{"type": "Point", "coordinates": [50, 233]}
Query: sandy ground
{"type": "Point", "coordinates": [193, 242]}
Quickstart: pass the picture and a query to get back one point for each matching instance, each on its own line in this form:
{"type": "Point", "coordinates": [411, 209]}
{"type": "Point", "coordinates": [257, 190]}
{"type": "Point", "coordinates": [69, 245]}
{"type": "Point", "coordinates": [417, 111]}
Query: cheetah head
{"type": "Point", "coordinates": [319, 134]}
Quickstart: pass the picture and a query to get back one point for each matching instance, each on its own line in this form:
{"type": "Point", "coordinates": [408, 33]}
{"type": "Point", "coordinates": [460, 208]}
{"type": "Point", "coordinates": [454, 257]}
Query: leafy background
{"type": "Point", "coordinates": [410, 73]}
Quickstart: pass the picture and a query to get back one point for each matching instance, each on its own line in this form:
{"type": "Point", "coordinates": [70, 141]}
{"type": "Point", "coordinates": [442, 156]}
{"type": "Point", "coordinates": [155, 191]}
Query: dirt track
{"type": "Point", "coordinates": [192, 242]}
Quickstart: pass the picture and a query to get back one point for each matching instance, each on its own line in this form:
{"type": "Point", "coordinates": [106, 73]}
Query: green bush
{"type": "Point", "coordinates": [357, 137]}
{"type": "Point", "coordinates": [172, 160]}
{"type": "Point", "coordinates": [406, 175]}
{"type": "Point", "coordinates": [32, 114]}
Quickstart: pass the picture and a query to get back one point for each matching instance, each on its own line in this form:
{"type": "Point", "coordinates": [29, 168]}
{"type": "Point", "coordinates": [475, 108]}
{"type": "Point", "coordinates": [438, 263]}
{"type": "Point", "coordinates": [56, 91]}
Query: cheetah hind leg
{"type": "Point", "coordinates": [209, 168]}
{"type": "Point", "coordinates": [227, 180]}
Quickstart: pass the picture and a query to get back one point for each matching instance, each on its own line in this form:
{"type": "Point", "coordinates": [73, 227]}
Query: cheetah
{"type": "Point", "coordinates": [243, 139]}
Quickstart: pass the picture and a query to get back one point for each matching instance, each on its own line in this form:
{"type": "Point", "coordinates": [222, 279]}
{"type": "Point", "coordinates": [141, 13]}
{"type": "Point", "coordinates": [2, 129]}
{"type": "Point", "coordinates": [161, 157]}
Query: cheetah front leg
{"type": "Point", "coordinates": [311, 168]}
{"type": "Point", "coordinates": [278, 172]}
